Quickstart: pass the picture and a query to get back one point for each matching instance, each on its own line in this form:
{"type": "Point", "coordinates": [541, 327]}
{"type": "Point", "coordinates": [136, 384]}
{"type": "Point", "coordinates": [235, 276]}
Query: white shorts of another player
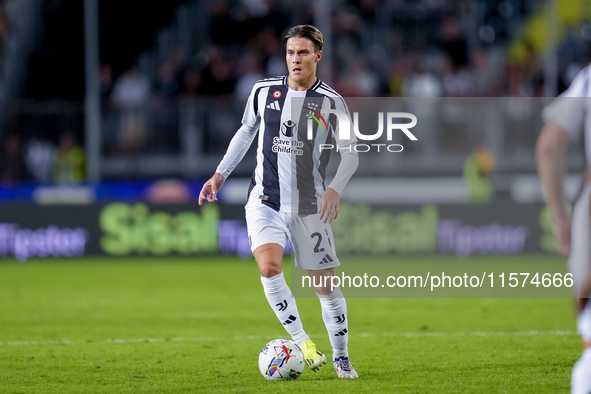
{"type": "Point", "coordinates": [312, 240]}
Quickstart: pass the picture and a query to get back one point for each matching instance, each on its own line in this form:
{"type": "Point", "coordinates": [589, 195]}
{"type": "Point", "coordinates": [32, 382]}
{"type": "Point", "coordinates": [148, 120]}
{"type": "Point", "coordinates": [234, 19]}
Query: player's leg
{"type": "Point", "coordinates": [269, 258]}
{"type": "Point", "coordinates": [581, 375]}
{"type": "Point", "coordinates": [578, 263]}
{"type": "Point", "coordinates": [267, 236]}
{"type": "Point", "coordinates": [336, 320]}
{"type": "Point", "coordinates": [334, 310]}
{"type": "Point", "coordinates": [313, 249]}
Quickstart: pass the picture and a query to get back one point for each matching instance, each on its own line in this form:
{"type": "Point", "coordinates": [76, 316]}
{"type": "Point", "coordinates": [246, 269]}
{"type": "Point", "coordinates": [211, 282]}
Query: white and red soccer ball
{"type": "Point", "coordinates": [281, 359]}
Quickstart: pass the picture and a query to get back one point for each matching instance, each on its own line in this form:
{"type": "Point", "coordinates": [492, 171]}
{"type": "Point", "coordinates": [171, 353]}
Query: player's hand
{"type": "Point", "coordinates": [562, 224]}
{"type": "Point", "coordinates": [329, 206]}
{"type": "Point", "coordinates": [210, 190]}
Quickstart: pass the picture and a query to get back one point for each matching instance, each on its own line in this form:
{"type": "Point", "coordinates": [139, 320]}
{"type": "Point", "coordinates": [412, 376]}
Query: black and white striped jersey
{"type": "Point", "coordinates": [290, 167]}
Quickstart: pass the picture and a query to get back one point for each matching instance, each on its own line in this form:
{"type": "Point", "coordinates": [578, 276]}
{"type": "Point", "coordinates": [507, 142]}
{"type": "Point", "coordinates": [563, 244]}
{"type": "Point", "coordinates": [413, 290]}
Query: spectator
{"type": "Point", "coordinates": [12, 163]}
{"type": "Point", "coordinates": [163, 115]}
{"type": "Point", "coordinates": [191, 85]}
{"type": "Point", "coordinates": [359, 81]}
{"type": "Point", "coordinates": [250, 69]}
{"type": "Point", "coordinates": [223, 26]}
{"type": "Point", "coordinates": [40, 157]}
{"type": "Point", "coordinates": [218, 77]}
{"type": "Point", "coordinates": [69, 166]}
{"type": "Point", "coordinates": [454, 43]}
{"type": "Point", "coordinates": [455, 80]}
{"type": "Point", "coordinates": [476, 171]}
{"type": "Point", "coordinates": [418, 82]}
{"type": "Point", "coordinates": [130, 93]}
{"type": "Point", "coordinates": [165, 87]}
{"type": "Point", "coordinates": [131, 90]}
{"type": "Point", "coordinates": [109, 118]}
{"type": "Point", "coordinates": [106, 83]}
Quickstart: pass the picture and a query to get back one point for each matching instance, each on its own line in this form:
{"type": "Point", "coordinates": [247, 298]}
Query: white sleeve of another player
{"type": "Point", "coordinates": [242, 139]}
{"type": "Point", "coordinates": [349, 156]}
{"type": "Point", "coordinates": [568, 110]}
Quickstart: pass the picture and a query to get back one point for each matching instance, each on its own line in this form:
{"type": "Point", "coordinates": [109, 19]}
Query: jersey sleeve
{"type": "Point", "coordinates": [243, 138]}
{"type": "Point", "coordinates": [568, 109]}
{"type": "Point", "coordinates": [251, 112]}
{"type": "Point", "coordinates": [349, 156]}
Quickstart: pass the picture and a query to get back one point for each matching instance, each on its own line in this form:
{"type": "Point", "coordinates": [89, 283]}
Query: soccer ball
{"type": "Point", "coordinates": [281, 359]}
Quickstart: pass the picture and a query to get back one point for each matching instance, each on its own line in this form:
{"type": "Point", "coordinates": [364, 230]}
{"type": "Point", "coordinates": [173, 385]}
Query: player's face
{"type": "Point", "coordinates": [301, 57]}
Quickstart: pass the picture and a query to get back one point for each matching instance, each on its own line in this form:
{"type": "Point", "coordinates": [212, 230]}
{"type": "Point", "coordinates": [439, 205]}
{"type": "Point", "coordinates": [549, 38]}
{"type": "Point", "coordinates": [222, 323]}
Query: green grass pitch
{"type": "Point", "coordinates": [198, 324]}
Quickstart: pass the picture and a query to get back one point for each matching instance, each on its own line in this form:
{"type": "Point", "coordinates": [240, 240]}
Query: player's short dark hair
{"type": "Point", "coordinates": [306, 31]}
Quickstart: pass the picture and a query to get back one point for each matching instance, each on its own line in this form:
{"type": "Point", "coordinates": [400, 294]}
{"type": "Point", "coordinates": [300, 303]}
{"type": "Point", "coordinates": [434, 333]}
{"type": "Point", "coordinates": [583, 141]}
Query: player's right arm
{"type": "Point", "coordinates": [564, 119]}
{"type": "Point", "coordinates": [551, 148]}
{"type": "Point", "coordinates": [236, 150]}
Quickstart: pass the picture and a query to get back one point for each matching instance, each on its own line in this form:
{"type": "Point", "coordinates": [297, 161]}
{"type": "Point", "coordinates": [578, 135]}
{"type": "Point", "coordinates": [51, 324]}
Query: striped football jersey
{"type": "Point", "coordinates": [290, 170]}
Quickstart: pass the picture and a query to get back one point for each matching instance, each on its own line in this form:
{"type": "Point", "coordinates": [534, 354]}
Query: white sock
{"type": "Point", "coordinates": [581, 377]}
{"type": "Point", "coordinates": [281, 300]}
{"type": "Point", "coordinates": [334, 314]}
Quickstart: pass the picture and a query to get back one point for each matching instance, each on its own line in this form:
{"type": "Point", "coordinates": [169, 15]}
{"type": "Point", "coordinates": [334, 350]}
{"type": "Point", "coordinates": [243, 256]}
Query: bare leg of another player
{"type": "Point", "coordinates": [580, 266]}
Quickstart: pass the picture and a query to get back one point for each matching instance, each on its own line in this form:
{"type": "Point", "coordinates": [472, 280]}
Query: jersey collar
{"type": "Point", "coordinates": [314, 87]}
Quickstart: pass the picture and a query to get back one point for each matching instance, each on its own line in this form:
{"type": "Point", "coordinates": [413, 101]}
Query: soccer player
{"type": "Point", "coordinates": [288, 197]}
{"type": "Point", "coordinates": [565, 117]}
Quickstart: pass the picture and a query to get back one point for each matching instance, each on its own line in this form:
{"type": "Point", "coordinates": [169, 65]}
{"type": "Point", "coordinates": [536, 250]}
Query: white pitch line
{"type": "Point", "coordinates": [531, 333]}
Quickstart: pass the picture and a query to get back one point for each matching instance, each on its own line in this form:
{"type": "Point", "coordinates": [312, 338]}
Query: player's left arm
{"type": "Point", "coordinates": [211, 188]}
{"type": "Point", "coordinates": [329, 203]}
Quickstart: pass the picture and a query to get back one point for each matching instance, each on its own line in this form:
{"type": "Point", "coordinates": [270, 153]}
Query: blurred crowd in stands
{"type": "Point", "coordinates": [424, 49]}
{"type": "Point", "coordinates": [398, 48]}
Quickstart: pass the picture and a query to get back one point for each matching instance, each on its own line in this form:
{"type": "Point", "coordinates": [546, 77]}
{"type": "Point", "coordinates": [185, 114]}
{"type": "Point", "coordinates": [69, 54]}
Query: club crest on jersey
{"type": "Point", "coordinates": [289, 128]}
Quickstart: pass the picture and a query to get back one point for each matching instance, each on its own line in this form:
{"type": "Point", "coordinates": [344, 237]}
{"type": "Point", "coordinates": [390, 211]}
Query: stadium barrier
{"type": "Point", "coordinates": [126, 228]}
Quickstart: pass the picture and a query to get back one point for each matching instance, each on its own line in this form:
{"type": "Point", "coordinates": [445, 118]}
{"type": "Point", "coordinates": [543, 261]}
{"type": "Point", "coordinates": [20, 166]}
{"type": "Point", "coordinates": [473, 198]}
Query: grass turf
{"type": "Point", "coordinates": [197, 325]}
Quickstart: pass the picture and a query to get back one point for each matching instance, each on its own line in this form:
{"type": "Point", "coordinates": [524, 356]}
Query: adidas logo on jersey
{"type": "Point", "coordinates": [274, 105]}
